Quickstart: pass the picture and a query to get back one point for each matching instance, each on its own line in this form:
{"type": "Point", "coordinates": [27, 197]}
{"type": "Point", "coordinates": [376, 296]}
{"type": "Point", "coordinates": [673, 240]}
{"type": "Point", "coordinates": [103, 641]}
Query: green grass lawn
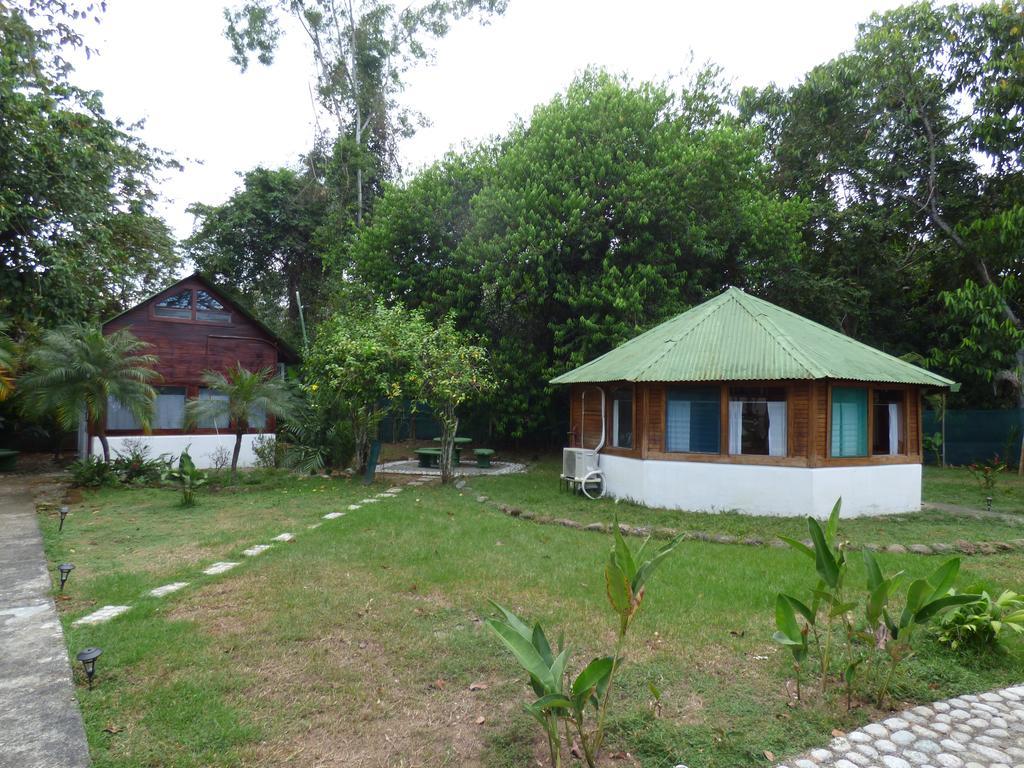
{"type": "Point", "coordinates": [358, 643]}
{"type": "Point", "coordinates": [534, 492]}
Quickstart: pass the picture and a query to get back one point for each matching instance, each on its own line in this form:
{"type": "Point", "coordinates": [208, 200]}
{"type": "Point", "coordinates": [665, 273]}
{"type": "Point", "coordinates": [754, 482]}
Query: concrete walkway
{"type": "Point", "coordinates": [40, 725]}
{"type": "Point", "coordinates": [983, 731]}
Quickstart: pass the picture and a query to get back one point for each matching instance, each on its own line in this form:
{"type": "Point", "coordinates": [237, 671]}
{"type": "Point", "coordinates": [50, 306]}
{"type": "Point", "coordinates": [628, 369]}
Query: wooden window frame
{"type": "Point", "coordinates": [194, 319]}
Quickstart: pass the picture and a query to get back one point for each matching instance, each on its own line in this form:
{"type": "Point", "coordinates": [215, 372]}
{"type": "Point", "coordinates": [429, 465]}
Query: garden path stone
{"type": "Point", "coordinates": [218, 568]}
{"type": "Point", "coordinates": [976, 738]}
{"type": "Point", "coordinates": [40, 725]}
{"type": "Point", "coordinates": [166, 589]}
{"type": "Point", "coordinates": [256, 549]}
{"type": "Point", "coordinates": [106, 613]}
{"type": "Point", "coordinates": [333, 515]}
{"type": "Point", "coordinates": [285, 537]}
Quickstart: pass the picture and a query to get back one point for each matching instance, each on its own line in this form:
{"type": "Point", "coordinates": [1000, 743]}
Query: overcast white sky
{"type": "Point", "coordinates": [166, 61]}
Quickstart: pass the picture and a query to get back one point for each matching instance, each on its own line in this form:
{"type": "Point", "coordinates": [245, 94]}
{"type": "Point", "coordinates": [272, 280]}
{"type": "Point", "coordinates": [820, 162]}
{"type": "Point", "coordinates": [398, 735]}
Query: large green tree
{"type": "Point", "coordinates": [361, 51]}
{"type": "Point", "coordinates": [615, 206]}
{"type": "Point", "coordinates": [265, 243]}
{"type": "Point", "coordinates": [909, 149]}
{"type": "Point", "coordinates": [78, 236]}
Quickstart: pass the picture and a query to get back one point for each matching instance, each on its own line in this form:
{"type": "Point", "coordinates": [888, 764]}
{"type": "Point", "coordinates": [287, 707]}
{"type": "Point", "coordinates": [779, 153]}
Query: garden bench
{"type": "Point", "coordinates": [428, 457]}
{"type": "Point", "coordinates": [8, 460]}
{"type": "Point", "coordinates": [483, 457]}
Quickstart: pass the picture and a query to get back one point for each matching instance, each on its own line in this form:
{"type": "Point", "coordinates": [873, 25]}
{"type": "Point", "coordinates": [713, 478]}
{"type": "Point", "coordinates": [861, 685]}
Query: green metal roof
{"type": "Point", "coordinates": [737, 337]}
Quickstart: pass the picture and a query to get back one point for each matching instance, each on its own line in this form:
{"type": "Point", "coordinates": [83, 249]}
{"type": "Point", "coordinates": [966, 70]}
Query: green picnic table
{"type": "Point", "coordinates": [457, 447]}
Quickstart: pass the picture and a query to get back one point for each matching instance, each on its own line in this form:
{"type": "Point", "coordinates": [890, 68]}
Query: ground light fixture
{"type": "Point", "coordinates": [65, 571]}
{"type": "Point", "coordinates": [988, 503]}
{"type": "Point", "coordinates": [63, 513]}
{"type": "Point", "coordinates": [88, 658]}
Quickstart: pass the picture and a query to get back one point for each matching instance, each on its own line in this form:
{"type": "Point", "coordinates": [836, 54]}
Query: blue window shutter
{"type": "Point", "coordinates": [693, 421]}
{"type": "Point", "coordinates": [849, 421]}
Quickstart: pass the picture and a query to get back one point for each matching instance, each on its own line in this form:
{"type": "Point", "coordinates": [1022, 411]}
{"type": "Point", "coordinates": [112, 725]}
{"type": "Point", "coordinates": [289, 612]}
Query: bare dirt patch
{"type": "Point", "coordinates": [338, 700]}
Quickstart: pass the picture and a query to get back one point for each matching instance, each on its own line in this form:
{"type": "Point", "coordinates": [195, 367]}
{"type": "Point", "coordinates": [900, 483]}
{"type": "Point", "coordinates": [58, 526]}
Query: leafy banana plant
{"type": "Point", "coordinates": [926, 598]}
{"type": "Point", "coordinates": [586, 697]}
{"type": "Point", "coordinates": [830, 563]}
{"type": "Point", "coordinates": [790, 633]}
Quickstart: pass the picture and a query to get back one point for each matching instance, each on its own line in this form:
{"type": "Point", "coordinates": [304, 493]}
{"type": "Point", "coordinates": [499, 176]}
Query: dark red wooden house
{"type": "Point", "coordinates": [193, 326]}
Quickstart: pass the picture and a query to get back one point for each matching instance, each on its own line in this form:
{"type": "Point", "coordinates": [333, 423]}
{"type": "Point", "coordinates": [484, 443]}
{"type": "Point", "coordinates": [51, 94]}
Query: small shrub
{"type": "Point", "coordinates": [977, 626]}
{"type": "Point", "coordinates": [92, 472]}
{"type": "Point", "coordinates": [266, 450]}
{"type": "Point", "coordinates": [987, 472]}
{"type": "Point", "coordinates": [188, 477]}
{"type": "Point", "coordinates": [133, 465]}
{"type": "Point", "coordinates": [221, 458]}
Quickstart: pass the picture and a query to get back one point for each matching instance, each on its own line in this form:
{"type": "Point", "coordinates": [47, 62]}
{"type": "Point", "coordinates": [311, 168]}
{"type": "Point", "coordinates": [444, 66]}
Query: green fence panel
{"type": "Point", "coordinates": [975, 435]}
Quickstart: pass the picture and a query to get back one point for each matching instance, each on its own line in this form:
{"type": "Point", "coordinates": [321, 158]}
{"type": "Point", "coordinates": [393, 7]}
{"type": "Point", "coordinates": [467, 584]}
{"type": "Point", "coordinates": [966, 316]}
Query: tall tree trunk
{"type": "Point", "coordinates": [234, 456]}
{"type": "Point", "coordinates": [106, 448]}
{"type": "Point", "coordinates": [449, 428]}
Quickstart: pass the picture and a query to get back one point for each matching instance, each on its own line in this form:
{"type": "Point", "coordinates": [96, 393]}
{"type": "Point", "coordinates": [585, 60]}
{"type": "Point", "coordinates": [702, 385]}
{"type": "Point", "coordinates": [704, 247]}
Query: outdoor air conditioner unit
{"type": "Point", "coordinates": [577, 463]}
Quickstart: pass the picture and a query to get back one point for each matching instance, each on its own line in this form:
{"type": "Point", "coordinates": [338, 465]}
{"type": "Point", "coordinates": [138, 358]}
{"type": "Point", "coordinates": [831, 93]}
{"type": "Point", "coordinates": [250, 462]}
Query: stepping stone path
{"type": "Point", "coordinates": [217, 568]}
{"type": "Point", "coordinates": [108, 612]}
{"type": "Point", "coordinates": [105, 613]}
{"type": "Point", "coordinates": [369, 501]}
{"type": "Point", "coordinates": [983, 731]}
{"type": "Point", "coordinates": [166, 589]}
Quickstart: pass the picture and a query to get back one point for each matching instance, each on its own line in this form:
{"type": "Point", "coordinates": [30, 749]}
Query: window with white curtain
{"type": "Point", "coordinates": [757, 421]}
{"type": "Point", "coordinates": [170, 408]}
{"type": "Point", "coordinates": [622, 418]}
{"type": "Point", "coordinates": [119, 417]}
{"type": "Point", "coordinates": [888, 433]}
{"type": "Point", "coordinates": [220, 421]}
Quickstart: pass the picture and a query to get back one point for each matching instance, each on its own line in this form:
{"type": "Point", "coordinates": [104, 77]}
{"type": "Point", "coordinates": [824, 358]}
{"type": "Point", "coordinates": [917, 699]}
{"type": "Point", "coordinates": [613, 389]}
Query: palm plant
{"type": "Point", "coordinates": [76, 369]}
{"type": "Point", "coordinates": [244, 392]}
{"type": "Point", "coordinates": [7, 361]}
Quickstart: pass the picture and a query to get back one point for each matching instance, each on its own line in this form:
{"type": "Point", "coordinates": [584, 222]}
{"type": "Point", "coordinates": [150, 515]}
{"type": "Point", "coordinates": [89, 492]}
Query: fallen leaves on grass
{"type": "Point", "coordinates": [478, 686]}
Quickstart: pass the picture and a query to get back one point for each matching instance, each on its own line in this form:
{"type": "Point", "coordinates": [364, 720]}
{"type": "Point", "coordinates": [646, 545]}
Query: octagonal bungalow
{"type": "Point", "coordinates": [741, 405]}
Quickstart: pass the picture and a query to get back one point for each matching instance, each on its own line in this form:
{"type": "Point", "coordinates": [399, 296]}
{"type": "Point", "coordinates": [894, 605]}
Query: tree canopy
{"type": "Point", "coordinates": [78, 236]}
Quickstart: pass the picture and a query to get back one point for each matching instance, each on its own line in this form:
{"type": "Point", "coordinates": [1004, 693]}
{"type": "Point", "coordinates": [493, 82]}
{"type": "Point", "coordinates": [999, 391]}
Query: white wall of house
{"type": "Point", "coordinates": [764, 490]}
{"type": "Point", "coordinates": [200, 447]}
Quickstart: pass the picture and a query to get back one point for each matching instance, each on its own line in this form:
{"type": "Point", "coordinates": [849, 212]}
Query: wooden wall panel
{"type": "Point", "coordinates": [585, 416]}
{"type": "Point", "coordinates": [655, 417]}
{"type": "Point", "coordinates": [820, 420]}
{"type": "Point", "coordinates": [799, 418]}
{"type": "Point", "coordinates": [914, 421]}
{"type": "Point", "coordinates": [186, 348]}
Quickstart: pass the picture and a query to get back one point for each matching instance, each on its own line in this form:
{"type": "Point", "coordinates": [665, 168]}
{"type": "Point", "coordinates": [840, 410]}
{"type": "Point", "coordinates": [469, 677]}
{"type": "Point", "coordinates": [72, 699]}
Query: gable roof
{"type": "Point", "coordinates": [737, 337]}
{"type": "Point", "coordinates": [284, 348]}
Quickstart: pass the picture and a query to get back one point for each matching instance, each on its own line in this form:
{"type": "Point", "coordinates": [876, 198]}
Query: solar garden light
{"type": "Point", "coordinates": [88, 658]}
{"type": "Point", "coordinates": [65, 571]}
{"type": "Point", "coordinates": [63, 513]}
{"type": "Point", "coordinates": [988, 503]}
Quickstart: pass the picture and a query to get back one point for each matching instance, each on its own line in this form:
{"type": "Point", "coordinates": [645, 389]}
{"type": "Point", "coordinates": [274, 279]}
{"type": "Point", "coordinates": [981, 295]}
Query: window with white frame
{"type": "Point", "coordinates": [758, 421]}
{"type": "Point", "coordinates": [622, 418]}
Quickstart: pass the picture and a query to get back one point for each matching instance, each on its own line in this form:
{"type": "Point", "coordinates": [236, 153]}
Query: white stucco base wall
{"type": "Point", "coordinates": [200, 447]}
{"type": "Point", "coordinates": [762, 490]}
